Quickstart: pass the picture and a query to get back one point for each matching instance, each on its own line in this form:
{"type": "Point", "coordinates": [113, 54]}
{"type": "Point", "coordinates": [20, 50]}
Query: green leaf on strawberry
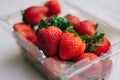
{"type": "Point", "coordinates": [96, 26]}
{"type": "Point", "coordinates": [70, 29]}
{"type": "Point", "coordinates": [59, 22]}
{"type": "Point", "coordinates": [94, 42]}
{"type": "Point", "coordinates": [42, 24]}
{"type": "Point", "coordinates": [85, 38]}
{"type": "Point", "coordinates": [97, 37]}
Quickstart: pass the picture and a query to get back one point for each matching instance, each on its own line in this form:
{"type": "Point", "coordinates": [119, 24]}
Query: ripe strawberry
{"type": "Point", "coordinates": [71, 46]}
{"type": "Point", "coordinates": [85, 27]}
{"type": "Point", "coordinates": [72, 19]}
{"type": "Point", "coordinates": [26, 31]}
{"type": "Point", "coordinates": [90, 56]}
{"type": "Point", "coordinates": [93, 71]}
{"type": "Point", "coordinates": [103, 48]}
{"type": "Point", "coordinates": [54, 7]}
{"type": "Point", "coordinates": [49, 39]}
{"type": "Point", "coordinates": [34, 14]}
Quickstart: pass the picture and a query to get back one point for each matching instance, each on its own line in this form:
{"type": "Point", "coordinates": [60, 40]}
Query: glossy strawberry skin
{"type": "Point", "coordinates": [72, 19]}
{"type": "Point", "coordinates": [32, 15]}
{"type": "Point", "coordinates": [105, 46]}
{"type": "Point", "coordinates": [85, 27]}
{"type": "Point", "coordinates": [26, 31]}
{"type": "Point", "coordinates": [49, 39]}
{"type": "Point", "coordinates": [54, 7]}
{"type": "Point", "coordinates": [71, 46]}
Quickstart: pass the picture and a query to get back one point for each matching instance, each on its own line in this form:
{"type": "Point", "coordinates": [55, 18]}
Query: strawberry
{"type": "Point", "coordinates": [49, 39]}
{"type": "Point", "coordinates": [49, 34]}
{"type": "Point", "coordinates": [26, 31]}
{"type": "Point", "coordinates": [98, 44]}
{"type": "Point", "coordinates": [93, 71]}
{"type": "Point", "coordinates": [103, 48]}
{"type": "Point", "coordinates": [90, 56]}
{"type": "Point", "coordinates": [54, 7]}
{"type": "Point", "coordinates": [71, 46]}
{"type": "Point", "coordinates": [72, 19]}
{"type": "Point", "coordinates": [34, 14]}
{"type": "Point", "coordinates": [85, 27]}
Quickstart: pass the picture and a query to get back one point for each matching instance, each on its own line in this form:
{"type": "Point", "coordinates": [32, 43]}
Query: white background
{"type": "Point", "coordinates": [12, 64]}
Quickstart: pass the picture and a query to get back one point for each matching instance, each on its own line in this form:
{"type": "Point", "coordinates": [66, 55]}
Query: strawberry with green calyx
{"type": "Point", "coordinates": [71, 45]}
{"type": "Point", "coordinates": [34, 14]}
{"type": "Point", "coordinates": [72, 19]}
{"type": "Point", "coordinates": [49, 34]}
{"type": "Point", "coordinates": [94, 42]}
{"type": "Point", "coordinates": [103, 48]}
{"type": "Point", "coordinates": [98, 44]}
{"type": "Point", "coordinates": [86, 27]}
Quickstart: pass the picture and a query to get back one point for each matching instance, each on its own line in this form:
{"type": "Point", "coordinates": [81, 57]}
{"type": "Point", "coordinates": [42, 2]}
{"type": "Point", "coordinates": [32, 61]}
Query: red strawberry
{"type": "Point", "coordinates": [71, 46]}
{"type": "Point", "coordinates": [72, 19]}
{"type": "Point", "coordinates": [103, 48]}
{"type": "Point", "coordinates": [26, 31]}
{"type": "Point", "coordinates": [90, 56]}
{"type": "Point", "coordinates": [33, 14]}
{"type": "Point", "coordinates": [49, 39]}
{"type": "Point", "coordinates": [54, 7]}
{"type": "Point", "coordinates": [85, 27]}
{"type": "Point", "coordinates": [93, 71]}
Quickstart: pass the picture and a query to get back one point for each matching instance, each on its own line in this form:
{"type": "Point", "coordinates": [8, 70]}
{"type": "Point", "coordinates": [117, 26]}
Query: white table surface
{"type": "Point", "coordinates": [12, 64]}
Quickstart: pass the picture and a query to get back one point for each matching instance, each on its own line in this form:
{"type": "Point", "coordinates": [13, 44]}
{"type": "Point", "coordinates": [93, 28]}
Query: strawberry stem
{"type": "Point", "coordinates": [70, 29]}
{"type": "Point", "coordinates": [94, 42]}
{"type": "Point", "coordinates": [67, 15]}
{"type": "Point", "coordinates": [96, 26]}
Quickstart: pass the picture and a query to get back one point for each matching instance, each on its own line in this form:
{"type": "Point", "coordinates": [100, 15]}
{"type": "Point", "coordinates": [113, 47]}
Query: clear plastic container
{"type": "Point", "coordinates": [52, 69]}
